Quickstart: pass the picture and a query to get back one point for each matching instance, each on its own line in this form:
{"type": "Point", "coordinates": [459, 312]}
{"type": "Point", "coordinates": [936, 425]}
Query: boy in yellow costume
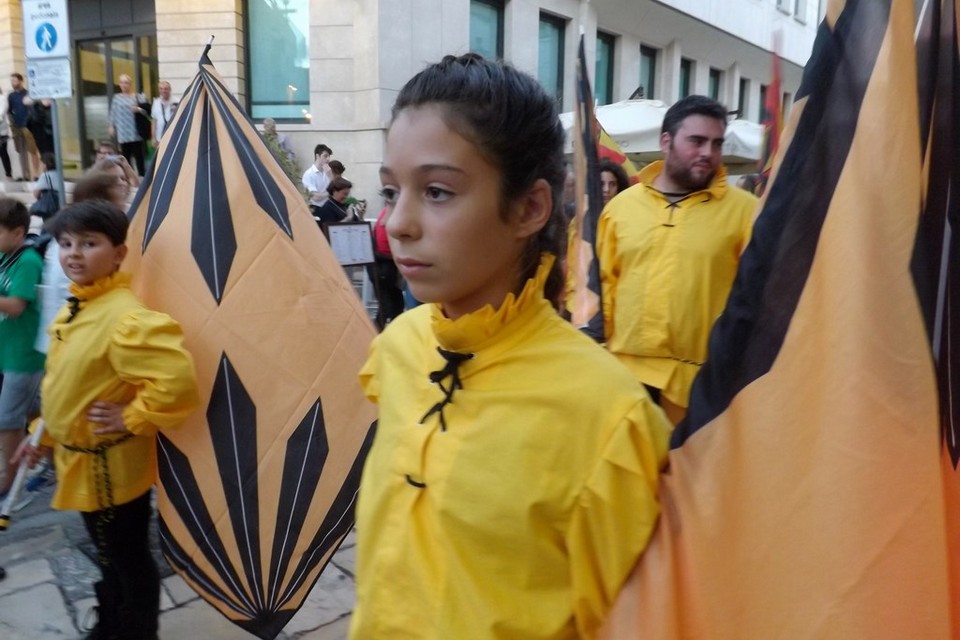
{"type": "Point", "coordinates": [116, 373]}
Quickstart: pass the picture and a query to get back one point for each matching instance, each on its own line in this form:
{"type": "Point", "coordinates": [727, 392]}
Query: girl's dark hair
{"type": "Point", "coordinates": [515, 126]}
{"type": "Point", "coordinates": [618, 172]}
{"type": "Point", "coordinates": [90, 216]}
{"type": "Point", "coordinates": [338, 183]}
{"type": "Point", "coordinates": [49, 160]}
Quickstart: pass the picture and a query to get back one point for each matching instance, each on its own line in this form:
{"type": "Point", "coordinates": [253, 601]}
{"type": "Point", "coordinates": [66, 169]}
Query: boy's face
{"type": "Point", "coordinates": [88, 256]}
{"type": "Point", "coordinates": [11, 239]}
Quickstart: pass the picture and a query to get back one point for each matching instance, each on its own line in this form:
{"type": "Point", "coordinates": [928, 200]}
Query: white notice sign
{"type": "Point", "coordinates": [46, 30]}
{"type": "Point", "coordinates": [49, 78]}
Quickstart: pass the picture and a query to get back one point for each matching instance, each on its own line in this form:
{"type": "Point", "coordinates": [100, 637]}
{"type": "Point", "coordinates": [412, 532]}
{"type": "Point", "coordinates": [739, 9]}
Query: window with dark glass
{"type": "Point", "coordinates": [278, 59]}
{"type": "Point", "coordinates": [550, 62]}
{"type": "Point", "coordinates": [764, 114]}
{"type": "Point", "coordinates": [648, 71]}
{"type": "Point", "coordinates": [603, 74]}
{"type": "Point", "coordinates": [686, 75]}
{"type": "Point", "coordinates": [486, 28]}
{"type": "Point", "coordinates": [742, 98]}
{"type": "Point", "coordinates": [713, 89]}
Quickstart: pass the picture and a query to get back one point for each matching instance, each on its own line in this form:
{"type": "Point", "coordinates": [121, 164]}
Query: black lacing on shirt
{"type": "Point", "coordinates": [450, 370]}
{"type": "Point", "coordinates": [674, 200]}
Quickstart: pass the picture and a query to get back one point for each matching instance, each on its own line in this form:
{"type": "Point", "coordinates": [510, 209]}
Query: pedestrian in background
{"type": "Point", "coordinates": [123, 122]}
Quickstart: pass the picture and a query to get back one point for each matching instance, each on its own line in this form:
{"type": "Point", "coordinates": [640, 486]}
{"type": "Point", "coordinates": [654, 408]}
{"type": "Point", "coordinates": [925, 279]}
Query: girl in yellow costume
{"type": "Point", "coordinates": [512, 484]}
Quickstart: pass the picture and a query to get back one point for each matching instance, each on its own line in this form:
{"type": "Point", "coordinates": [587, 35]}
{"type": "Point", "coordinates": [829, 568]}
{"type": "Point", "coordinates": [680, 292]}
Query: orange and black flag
{"type": "Point", "coordinates": [772, 123]}
{"type": "Point", "coordinates": [812, 491]}
{"type": "Point", "coordinates": [258, 488]}
{"type": "Point", "coordinates": [586, 311]}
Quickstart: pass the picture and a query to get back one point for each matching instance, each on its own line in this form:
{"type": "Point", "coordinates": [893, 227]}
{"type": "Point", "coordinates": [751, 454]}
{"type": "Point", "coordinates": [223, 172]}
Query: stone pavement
{"type": "Point", "coordinates": [48, 590]}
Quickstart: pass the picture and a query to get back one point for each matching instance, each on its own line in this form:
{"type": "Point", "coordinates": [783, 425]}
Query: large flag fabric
{"type": "Point", "coordinates": [258, 488]}
{"type": "Point", "coordinates": [772, 123]}
{"type": "Point", "coordinates": [585, 304]}
{"type": "Point", "coordinates": [812, 491]}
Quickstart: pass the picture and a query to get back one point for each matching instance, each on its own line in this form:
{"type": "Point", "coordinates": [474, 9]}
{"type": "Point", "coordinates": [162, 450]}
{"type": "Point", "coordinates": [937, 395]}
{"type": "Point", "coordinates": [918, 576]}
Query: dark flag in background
{"type": "Point", "coordinates": [772, 121]}
{"type": "Point", "coordinates": [812, 490]}
{"type": "Point", "coordinates": [585, 304]}
{"type": "Point", "coordinates": [258, 488]}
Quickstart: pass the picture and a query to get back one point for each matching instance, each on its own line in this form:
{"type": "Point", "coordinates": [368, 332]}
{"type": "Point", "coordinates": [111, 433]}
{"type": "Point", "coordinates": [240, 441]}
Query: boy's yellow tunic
{"type": "Point", "coordinates": [113, 350]}
{"type": "Point", "coordinates": [523, 516]}
{"type": "Point", "coordinates": [665, 273]}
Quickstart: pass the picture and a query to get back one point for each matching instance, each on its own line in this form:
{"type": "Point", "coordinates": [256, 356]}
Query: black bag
{"type": "Point", "coordinates": [47, 204]}
{"type": "Point", "coordinates": [143, 121]}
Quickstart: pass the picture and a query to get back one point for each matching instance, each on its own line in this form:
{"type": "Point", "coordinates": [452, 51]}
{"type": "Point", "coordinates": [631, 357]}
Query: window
{"type": "Point", "coordinates": [784, 6]}
{"type": "Point", "coordinates": [800, 11]}
{"type": "Point", "coordinates": [648, 71]}
{"type": "Point", "coordinates": [686, 73]}
{"type": "Point", "coordinates": [744, 94]}
{"type": "Point", "coordinates": [550, 63]}
{"type": "Point", "coordinates": [764, 114]}
{"type": "Point", "coordinates": [486, 28]}
{"type": "Point", "coordinates": [716, 77]}
{"type": "Point", "coordinates": [278, 59]}
{"type": "Point", "coordinates": [603, 74]}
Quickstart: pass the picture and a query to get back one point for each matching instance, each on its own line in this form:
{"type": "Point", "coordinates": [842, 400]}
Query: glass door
{"type": "Point", "coordinates": [101, 63]}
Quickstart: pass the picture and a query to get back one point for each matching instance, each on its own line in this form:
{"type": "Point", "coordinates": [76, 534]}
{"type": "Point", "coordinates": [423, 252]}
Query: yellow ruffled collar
{"type": "Point", "coordinates": [470, 332]}
{"type": "Point", "coordinates": [717, 188]}
{"type": "Point", "coordinates": [116, 280]}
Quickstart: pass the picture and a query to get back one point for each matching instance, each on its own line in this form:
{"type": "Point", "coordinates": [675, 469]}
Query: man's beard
{"type": "Point", "coordinates": [683, 177]}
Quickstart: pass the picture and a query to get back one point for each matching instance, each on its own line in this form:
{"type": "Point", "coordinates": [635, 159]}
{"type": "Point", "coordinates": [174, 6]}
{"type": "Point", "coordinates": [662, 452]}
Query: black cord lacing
{"type": "Point", "coordinates": [450, 370]}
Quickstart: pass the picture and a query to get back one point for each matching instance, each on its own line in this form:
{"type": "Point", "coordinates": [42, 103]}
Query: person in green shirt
{"type": "Point", "coordinates": [22, 366]}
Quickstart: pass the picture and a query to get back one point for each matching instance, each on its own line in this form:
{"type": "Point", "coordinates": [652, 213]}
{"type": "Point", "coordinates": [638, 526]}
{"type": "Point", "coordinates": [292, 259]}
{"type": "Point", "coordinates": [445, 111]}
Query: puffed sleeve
{"type": "Point", "coordinates": [616, 513]}
{"type": "Point", "coordinates": [609, 269]}
{"type": "Point", "coordinates": [369, 378]}
{"type": "Point", "coordinates": [147, 352]}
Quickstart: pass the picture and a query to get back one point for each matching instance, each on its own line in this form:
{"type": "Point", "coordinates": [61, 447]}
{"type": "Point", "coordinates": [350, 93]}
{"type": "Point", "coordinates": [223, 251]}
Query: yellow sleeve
{"type": "Point", "coordinates": [369, 380]}
{"type": "Point", "coordinates": [616, 513]}
{"type": "Point", "coordinates": [147, 352]}
{"type": "Point", "coordinates": [609, 270]}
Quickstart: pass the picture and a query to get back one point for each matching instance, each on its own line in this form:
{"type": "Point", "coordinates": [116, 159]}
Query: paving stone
{"type": "Point", "coordinates": [16, 545]}
{"type": "Point", "coordinates": [199, 620]}
{"type": "Point", "coordinates": [350, 540]}
{"type": "Point", "coordinates": [24, 575]}
{"type": "Point", "coordinates": [332, 598]}
{"type": "Point", "coordinates": [36, 613]}
{"type": "Point", "coordinates": [346, 560]}
{"type": "Point", "coordinates": [180, 592]}
{"type": "Point", "coordinates": [336, 630]}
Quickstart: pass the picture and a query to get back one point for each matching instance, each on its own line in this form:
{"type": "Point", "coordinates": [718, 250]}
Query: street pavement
{"type": "Point", "coordinates": [48, 591]}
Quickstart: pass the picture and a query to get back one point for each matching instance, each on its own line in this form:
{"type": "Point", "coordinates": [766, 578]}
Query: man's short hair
{"type": "Point", "coordinates": [320, 148]}
{"type": "Point", "coordinates": [17, 76]}
{"type": "Point", "coordinates": [692, 106]}
{"type": "Point", "coordinates": [91, 216]}
{"type": "Point", "coordinates": [13, 214]}
{"type": "Point", "coordinates": [338, 183]}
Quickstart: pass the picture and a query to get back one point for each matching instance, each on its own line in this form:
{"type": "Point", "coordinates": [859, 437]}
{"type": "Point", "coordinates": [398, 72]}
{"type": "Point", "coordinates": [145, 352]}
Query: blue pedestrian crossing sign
{"type": "Point", "coordinates": [46, 29]}
{"type": "Point", "coordinates": [46, 37]}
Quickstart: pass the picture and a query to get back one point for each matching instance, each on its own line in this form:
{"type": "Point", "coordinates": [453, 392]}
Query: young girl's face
{"type": "Point", "coordinates": [88, 256]}
{"type": "Point", "coordinates": [444, 222]}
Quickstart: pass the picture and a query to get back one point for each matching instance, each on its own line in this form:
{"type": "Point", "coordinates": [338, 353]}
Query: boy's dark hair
{"type": "Point", "coordinates": [49, 160]}
{"type": "Point", "coordinates": [320, 148]}
{"type": "Point", "coordinates": [17, 76]}
{"type": "Point", "coordinates": [514, 124]}
{"type": "Point", "coordinates": [337, 167]}
{"type": "Point", "coordinates": [692, 106]}
{"type": "Point", "coordinates": [90, 216]}
{"type": "Point", "coordinates": [13, 214]}
{"type": "Point", "coordinates": [618, 172]}
{"type": "Point", "coordinates": [338, 183]}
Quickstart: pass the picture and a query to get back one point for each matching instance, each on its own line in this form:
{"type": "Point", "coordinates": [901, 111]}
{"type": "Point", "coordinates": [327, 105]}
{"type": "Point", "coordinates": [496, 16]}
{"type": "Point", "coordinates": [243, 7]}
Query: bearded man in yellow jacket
{"type": "Point", "coordinates": [668, 250]}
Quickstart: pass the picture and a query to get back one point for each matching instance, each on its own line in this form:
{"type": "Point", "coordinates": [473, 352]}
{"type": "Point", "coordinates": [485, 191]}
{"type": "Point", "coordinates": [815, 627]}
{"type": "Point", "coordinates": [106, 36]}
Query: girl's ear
{"type": "Point", "coordinates": [535, 209]}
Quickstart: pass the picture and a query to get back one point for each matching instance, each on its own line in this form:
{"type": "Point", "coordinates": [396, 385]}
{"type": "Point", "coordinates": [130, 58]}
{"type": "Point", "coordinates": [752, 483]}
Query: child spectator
{"type": "Point", "coordinates": [21, 364]}
{"type": "Point", "coordinates": [504, 496]}
{"type": "Point", "coordinates": [117, 372]}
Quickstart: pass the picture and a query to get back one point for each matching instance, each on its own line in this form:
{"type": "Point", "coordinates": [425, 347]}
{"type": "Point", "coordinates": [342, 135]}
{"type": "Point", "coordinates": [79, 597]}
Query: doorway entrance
{"type": "Point", "coordinates": [100, 63]}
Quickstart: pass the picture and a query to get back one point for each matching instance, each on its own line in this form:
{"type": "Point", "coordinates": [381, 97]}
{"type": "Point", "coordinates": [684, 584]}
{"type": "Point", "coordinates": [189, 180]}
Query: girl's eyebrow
{"type": "Point", "coordinates": [424, 168]}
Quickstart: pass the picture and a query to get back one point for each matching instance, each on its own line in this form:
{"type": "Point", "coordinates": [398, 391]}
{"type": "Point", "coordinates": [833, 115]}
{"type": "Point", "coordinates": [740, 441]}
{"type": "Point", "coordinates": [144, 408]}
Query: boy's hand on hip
{"type": "Point", "coordinates": [109, 415]}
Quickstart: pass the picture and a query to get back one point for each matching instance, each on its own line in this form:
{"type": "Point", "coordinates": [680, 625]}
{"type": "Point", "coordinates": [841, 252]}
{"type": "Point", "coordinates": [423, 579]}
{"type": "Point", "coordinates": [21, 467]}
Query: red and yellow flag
{"type": "Point", "coordinates": [772, 121]}
{"type": "Point", "coordinates": [813, 490]}
{"type": "Point", "coordinates": [608, 149]}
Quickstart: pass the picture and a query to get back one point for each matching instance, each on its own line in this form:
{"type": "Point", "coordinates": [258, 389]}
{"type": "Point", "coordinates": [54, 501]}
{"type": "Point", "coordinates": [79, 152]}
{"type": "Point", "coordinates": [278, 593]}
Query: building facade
{"type": "Point", "coordinates": [328, 71]}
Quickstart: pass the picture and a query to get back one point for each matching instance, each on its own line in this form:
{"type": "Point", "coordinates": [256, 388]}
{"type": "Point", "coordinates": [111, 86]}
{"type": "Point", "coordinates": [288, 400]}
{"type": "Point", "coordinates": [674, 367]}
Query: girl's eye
{"type": "Point", "coordinates": [438, 194]}
{"type": "Point", "coordinates": [389, 195]}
